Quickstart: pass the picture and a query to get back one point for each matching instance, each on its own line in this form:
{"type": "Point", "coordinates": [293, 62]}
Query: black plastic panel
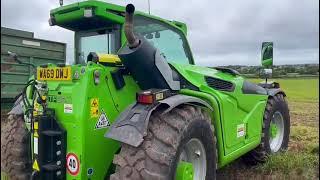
{"type": "Point", "coordinates": [140, 62]}
{"type": "Point", "coordinates": [117, 77]}
{"type": "Point", "coordinates": [251, 88]}
{"type": "Point", "coordinates": [227, 70]}
{"type": "Point", "coordinates": [52, 138]}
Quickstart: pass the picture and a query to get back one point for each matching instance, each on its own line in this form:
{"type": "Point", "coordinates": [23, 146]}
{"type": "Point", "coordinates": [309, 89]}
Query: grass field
{"type": "Point", "coordinates": [301, 161]}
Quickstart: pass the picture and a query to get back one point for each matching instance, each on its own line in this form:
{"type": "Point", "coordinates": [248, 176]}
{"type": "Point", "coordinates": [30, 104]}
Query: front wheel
{"type": "Point", "coordinates": [179, 145]}
{"type": "Point", "coordinates": [275, 130]}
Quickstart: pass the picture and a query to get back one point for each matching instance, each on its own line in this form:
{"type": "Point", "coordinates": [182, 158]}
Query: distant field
{"type": "Point", "coordinates": [304, 89]}
{"type": "Point", "coordinates": [301, 161]}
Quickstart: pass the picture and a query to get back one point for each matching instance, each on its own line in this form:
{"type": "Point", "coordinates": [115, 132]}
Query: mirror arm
{"type": "Point", "coordinates": [15, 58]}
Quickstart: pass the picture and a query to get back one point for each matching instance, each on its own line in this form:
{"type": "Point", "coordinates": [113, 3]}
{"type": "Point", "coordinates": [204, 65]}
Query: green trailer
{"type": "Point", "coordinates": [14, 76]}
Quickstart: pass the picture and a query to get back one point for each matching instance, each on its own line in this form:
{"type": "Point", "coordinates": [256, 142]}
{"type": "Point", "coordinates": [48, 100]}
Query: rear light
{"type": "Point", "coordinates": [152, 96]}
{"type": "Point", "coordinates": [145, 98]}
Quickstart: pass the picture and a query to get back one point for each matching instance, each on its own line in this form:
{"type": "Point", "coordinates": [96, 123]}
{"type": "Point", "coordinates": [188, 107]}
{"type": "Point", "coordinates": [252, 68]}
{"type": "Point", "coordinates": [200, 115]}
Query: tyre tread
{"type": "Point", "coordinates": [158, 147]}
{"type": "Point", "coordinates": [14, 146]}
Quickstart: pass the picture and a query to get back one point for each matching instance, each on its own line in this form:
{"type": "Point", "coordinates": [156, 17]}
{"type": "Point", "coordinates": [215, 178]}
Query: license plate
{"type": "Point", "coordinates": [54, 73]}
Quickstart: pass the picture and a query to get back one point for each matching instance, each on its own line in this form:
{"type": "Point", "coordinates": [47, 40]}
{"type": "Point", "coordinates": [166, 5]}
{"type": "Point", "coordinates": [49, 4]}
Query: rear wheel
{"type": "Point", "coordinates": [181, 138]}
{"type": "Point", "coordinates": [14, 148]}
{"type": "Point", "coordinates": [275, 131]}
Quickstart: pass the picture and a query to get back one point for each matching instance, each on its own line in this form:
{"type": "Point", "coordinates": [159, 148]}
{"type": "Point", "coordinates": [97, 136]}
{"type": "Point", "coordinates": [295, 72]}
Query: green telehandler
{"type": "Point", "coordinates": [135, 106]}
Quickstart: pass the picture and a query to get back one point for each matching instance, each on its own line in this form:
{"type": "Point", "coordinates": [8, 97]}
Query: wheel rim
{"type": "Point", "coordinates": [194, 152]}
{"type": "Point", "coordinates": [276, 131]}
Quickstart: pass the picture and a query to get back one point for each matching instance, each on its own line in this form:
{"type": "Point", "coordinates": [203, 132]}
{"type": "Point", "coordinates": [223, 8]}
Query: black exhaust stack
{"type": "Point", "coordinates": [143, 60]}
{"type": "Point", "coordinates": [133, 42]}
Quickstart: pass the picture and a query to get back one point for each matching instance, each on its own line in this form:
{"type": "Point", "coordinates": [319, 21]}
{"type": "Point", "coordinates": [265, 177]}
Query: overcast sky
{"type": "Point", "coordinates": [228, 32]}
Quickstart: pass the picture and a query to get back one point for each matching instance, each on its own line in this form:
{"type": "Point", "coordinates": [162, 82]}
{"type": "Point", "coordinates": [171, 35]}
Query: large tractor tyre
{"type": "Point", "coordinates": [183, 135]}
{"type": "Point", "coordinates": [14, 148]}
{"type": "Point", "coordinates": [275, 131]}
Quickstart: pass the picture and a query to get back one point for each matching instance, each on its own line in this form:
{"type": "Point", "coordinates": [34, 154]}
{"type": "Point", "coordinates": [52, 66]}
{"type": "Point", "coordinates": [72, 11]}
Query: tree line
{"type": "Point", "coordinates": [279, 70]}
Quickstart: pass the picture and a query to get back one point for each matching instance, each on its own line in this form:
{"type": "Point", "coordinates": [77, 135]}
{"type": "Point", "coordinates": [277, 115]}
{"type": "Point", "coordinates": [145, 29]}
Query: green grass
{"type": "Point", "coordinates": [304, 89]}
{"type": "Point", "coordinates": [302, 158]}
{"type": "Point", "coordinates": [291, 164]}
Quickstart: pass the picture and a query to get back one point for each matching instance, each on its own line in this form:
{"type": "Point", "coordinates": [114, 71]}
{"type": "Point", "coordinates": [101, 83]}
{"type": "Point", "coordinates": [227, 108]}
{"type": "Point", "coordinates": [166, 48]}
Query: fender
{"type": "Point", "coordinates": [17, 107]}
{"type": "Point", "coordinates": [272, 88]}
{"type": "Point", "coordinates": [132, 124]}
{"type": "Point", "coordinates": [275, 91]}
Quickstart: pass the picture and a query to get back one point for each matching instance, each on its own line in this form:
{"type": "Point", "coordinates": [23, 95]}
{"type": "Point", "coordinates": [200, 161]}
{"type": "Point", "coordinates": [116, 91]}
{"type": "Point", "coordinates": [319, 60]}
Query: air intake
{"type": "Point", "coordinates": [219, 84]}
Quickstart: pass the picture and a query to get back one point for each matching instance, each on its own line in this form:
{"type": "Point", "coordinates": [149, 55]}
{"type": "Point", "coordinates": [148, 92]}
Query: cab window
{"type": "Point", "coordinates": [170, 41]}
{"type": "Point", "coordinates": [99, 41]}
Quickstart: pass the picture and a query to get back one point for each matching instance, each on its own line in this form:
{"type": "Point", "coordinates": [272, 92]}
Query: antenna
{"type": "Point", "coordinates": [149, 6]}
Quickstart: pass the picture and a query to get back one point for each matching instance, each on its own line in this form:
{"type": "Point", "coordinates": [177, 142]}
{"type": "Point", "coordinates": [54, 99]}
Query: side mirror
{"type": "Point", "coordinates": [267, 54]}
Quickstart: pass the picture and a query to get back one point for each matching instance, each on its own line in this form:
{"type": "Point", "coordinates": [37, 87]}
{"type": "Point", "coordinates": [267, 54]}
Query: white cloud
{"type": "Point", "coordinates": [219, 32]}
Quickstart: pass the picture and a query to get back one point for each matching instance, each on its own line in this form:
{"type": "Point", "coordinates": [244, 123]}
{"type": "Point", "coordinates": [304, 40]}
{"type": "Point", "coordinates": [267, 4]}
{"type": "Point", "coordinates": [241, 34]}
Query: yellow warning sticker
{"type": "Point", "coordinates": [94, 102]}
{"type": "Point", "coordinates": [35, 134]}
{"type": "Point", "coordinates": [94, 112]}
{"type": "Point", "coordinates": [94, 107]}
{"type": "Point", "coordinates": [35, 165]}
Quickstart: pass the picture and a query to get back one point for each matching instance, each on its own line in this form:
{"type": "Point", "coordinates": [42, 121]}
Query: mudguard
{"type": "Point", "coordinates": [272, 88]}
{"type": "Point", "coordinates": [274, 91]}
{"type": "Point", "coordinates": [17, 107]}
{"type": "Point", "coordinates": [132, 125]}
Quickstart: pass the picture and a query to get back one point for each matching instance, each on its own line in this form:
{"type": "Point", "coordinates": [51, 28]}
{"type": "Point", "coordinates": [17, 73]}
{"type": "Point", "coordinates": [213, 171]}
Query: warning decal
{"type": "Point", "coordinates": [94, 107]}
{"type": "Point", "coordinates": [73, 164]}
{"type": "Point", "coordinates": [35, 165]}
{"type": "Point", "coordinates": [94, 102]}
{"type": "Point", "coordinates": [102, 122]}
{"type": "Point", "coordinates": [241, 131]}
{"type": "Point", "coordinates": [68, 108]}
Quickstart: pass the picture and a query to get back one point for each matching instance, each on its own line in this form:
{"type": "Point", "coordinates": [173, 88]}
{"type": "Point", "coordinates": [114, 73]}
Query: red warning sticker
{"type": "Point", "coordinates": [73, 164]}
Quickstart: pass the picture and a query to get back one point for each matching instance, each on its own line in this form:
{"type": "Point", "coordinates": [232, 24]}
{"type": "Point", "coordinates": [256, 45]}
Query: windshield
{"type": "Point", "coordinates": [171, 42]}
{"type": "Point", "coordinates": [107, 42]}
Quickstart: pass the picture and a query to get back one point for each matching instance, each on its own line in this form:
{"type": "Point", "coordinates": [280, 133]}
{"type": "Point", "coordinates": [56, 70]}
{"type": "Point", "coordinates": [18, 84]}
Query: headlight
{"type": "Point", "coordinates": [88, 13]}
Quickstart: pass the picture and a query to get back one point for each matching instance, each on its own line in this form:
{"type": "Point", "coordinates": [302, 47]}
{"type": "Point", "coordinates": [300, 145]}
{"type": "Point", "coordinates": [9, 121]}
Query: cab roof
{"type": "Point", "coordinates": [76, 16]}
